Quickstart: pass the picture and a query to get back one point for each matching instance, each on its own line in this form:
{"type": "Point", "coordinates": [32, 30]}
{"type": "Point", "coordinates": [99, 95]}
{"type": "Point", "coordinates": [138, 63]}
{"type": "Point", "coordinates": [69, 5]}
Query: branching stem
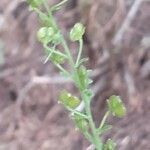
{"type": "Point", "coordinates": [78, 73]}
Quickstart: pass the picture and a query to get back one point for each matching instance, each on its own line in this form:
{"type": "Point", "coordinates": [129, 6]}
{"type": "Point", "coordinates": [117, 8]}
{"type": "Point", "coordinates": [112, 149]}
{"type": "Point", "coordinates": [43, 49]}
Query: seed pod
{"type": "Point", "coordinates": [68, 100]}
{"type": "Point", "coordinates": [116, 106]}
{"type": "Point", "coordinates": [45, 34]}
{"type": "Point", "coordinates": [77, 32]}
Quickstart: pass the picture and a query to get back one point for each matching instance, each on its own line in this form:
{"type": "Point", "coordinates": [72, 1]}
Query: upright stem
{"type": "Point", "coordinates": [95, 137]}
{"type": "Point", "coordinates": [80, 52]}
{"type": "Point", "coordinates": [96, 140]}
{"type": "Point", "coordinates": [104, 119]}
{"type": "Point", "coordinates": [67, 51]}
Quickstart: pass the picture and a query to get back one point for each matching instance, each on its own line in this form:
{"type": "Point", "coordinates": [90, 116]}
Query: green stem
{"type": "Point", "coordinates": [88, 136]}
{"type": "Point", "coordinates": [77, 112]}
{"type": "Point", "coordinates": [80, 52]}
{"type": "Point", "coordinates": [54, 51]}
{"type": "Point", "coordinates": [67, 51]}
{"type": "Point", "coordinates": [94, 134]}
{"type": "Point", "coordinates": [47, 58]}
{"type": "Point", "coordinates": [104, 119]}
{"type": "Point", "coordinates": [96, 139]}
{"type": "Point", "coordinates": [55, 7]}
{"type": "Point", "coordinates": [62, 69]}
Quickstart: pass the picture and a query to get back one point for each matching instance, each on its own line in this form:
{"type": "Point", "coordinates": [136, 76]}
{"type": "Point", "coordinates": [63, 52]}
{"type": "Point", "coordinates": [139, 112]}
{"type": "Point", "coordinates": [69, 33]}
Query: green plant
{"type": "Point", "coordinates": [50, 36]}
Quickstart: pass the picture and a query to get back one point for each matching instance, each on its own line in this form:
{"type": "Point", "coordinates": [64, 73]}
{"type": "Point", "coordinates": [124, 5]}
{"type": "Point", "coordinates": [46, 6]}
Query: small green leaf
{"type": "Point", "coordinates": [80, 122]}
{"type": "Point", "coordinates": [77, 32]}
{"type": "Point", "coordinates": [34, 3]}
{"type": "Point", "coordinates": [116, 106]}
{"type": "Point", "coordinates": [110, 145]}
{"type": "Point", "coordinates": [83, 77]}
{"type": "Point", "coordinates": [68, 100]}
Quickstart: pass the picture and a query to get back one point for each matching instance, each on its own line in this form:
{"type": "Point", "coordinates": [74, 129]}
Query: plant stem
{"type": "Point", "coordinates": [80, 52]}
{"type": "Point", "coordinates": [54, 51]}
{"type": "Point", "coordinates": [94, 135]}
{"type": "Point", "coordinates": [49, 55]}
{"type": "Point", "coordinates": [67, 51]}
{"type": "Point", "coordinates": [62, 69]}
{"type": "Point", "coordinates": [96, 140]}
{"type": "Point", "coordinates": [104, 119]}
{"type": "Point", "coordinates": [58, 5]}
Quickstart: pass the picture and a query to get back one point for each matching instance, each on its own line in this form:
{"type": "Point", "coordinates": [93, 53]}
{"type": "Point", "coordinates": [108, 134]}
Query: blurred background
{"type": "Point", "coordinates": [117, 42]}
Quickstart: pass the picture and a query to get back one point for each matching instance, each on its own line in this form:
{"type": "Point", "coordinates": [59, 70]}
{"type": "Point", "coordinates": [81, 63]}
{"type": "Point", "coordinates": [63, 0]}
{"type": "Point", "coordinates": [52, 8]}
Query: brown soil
{"type": "Point", "coordinates": [31, 118]}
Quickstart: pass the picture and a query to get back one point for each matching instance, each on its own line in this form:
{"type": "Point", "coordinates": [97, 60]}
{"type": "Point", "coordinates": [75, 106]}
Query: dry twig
{"type": "Point", "coordinates": [126, 24]}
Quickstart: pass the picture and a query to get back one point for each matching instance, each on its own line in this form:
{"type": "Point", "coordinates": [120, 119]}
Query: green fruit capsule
{"type": "Point", "coordinates": [45, 34]}
{"type": "Point", "coordinates": [77, 32]}
{"type": "Point", "coordinates": [116, 106]}
{"type": "Point", "coordinates": [68, 100]}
